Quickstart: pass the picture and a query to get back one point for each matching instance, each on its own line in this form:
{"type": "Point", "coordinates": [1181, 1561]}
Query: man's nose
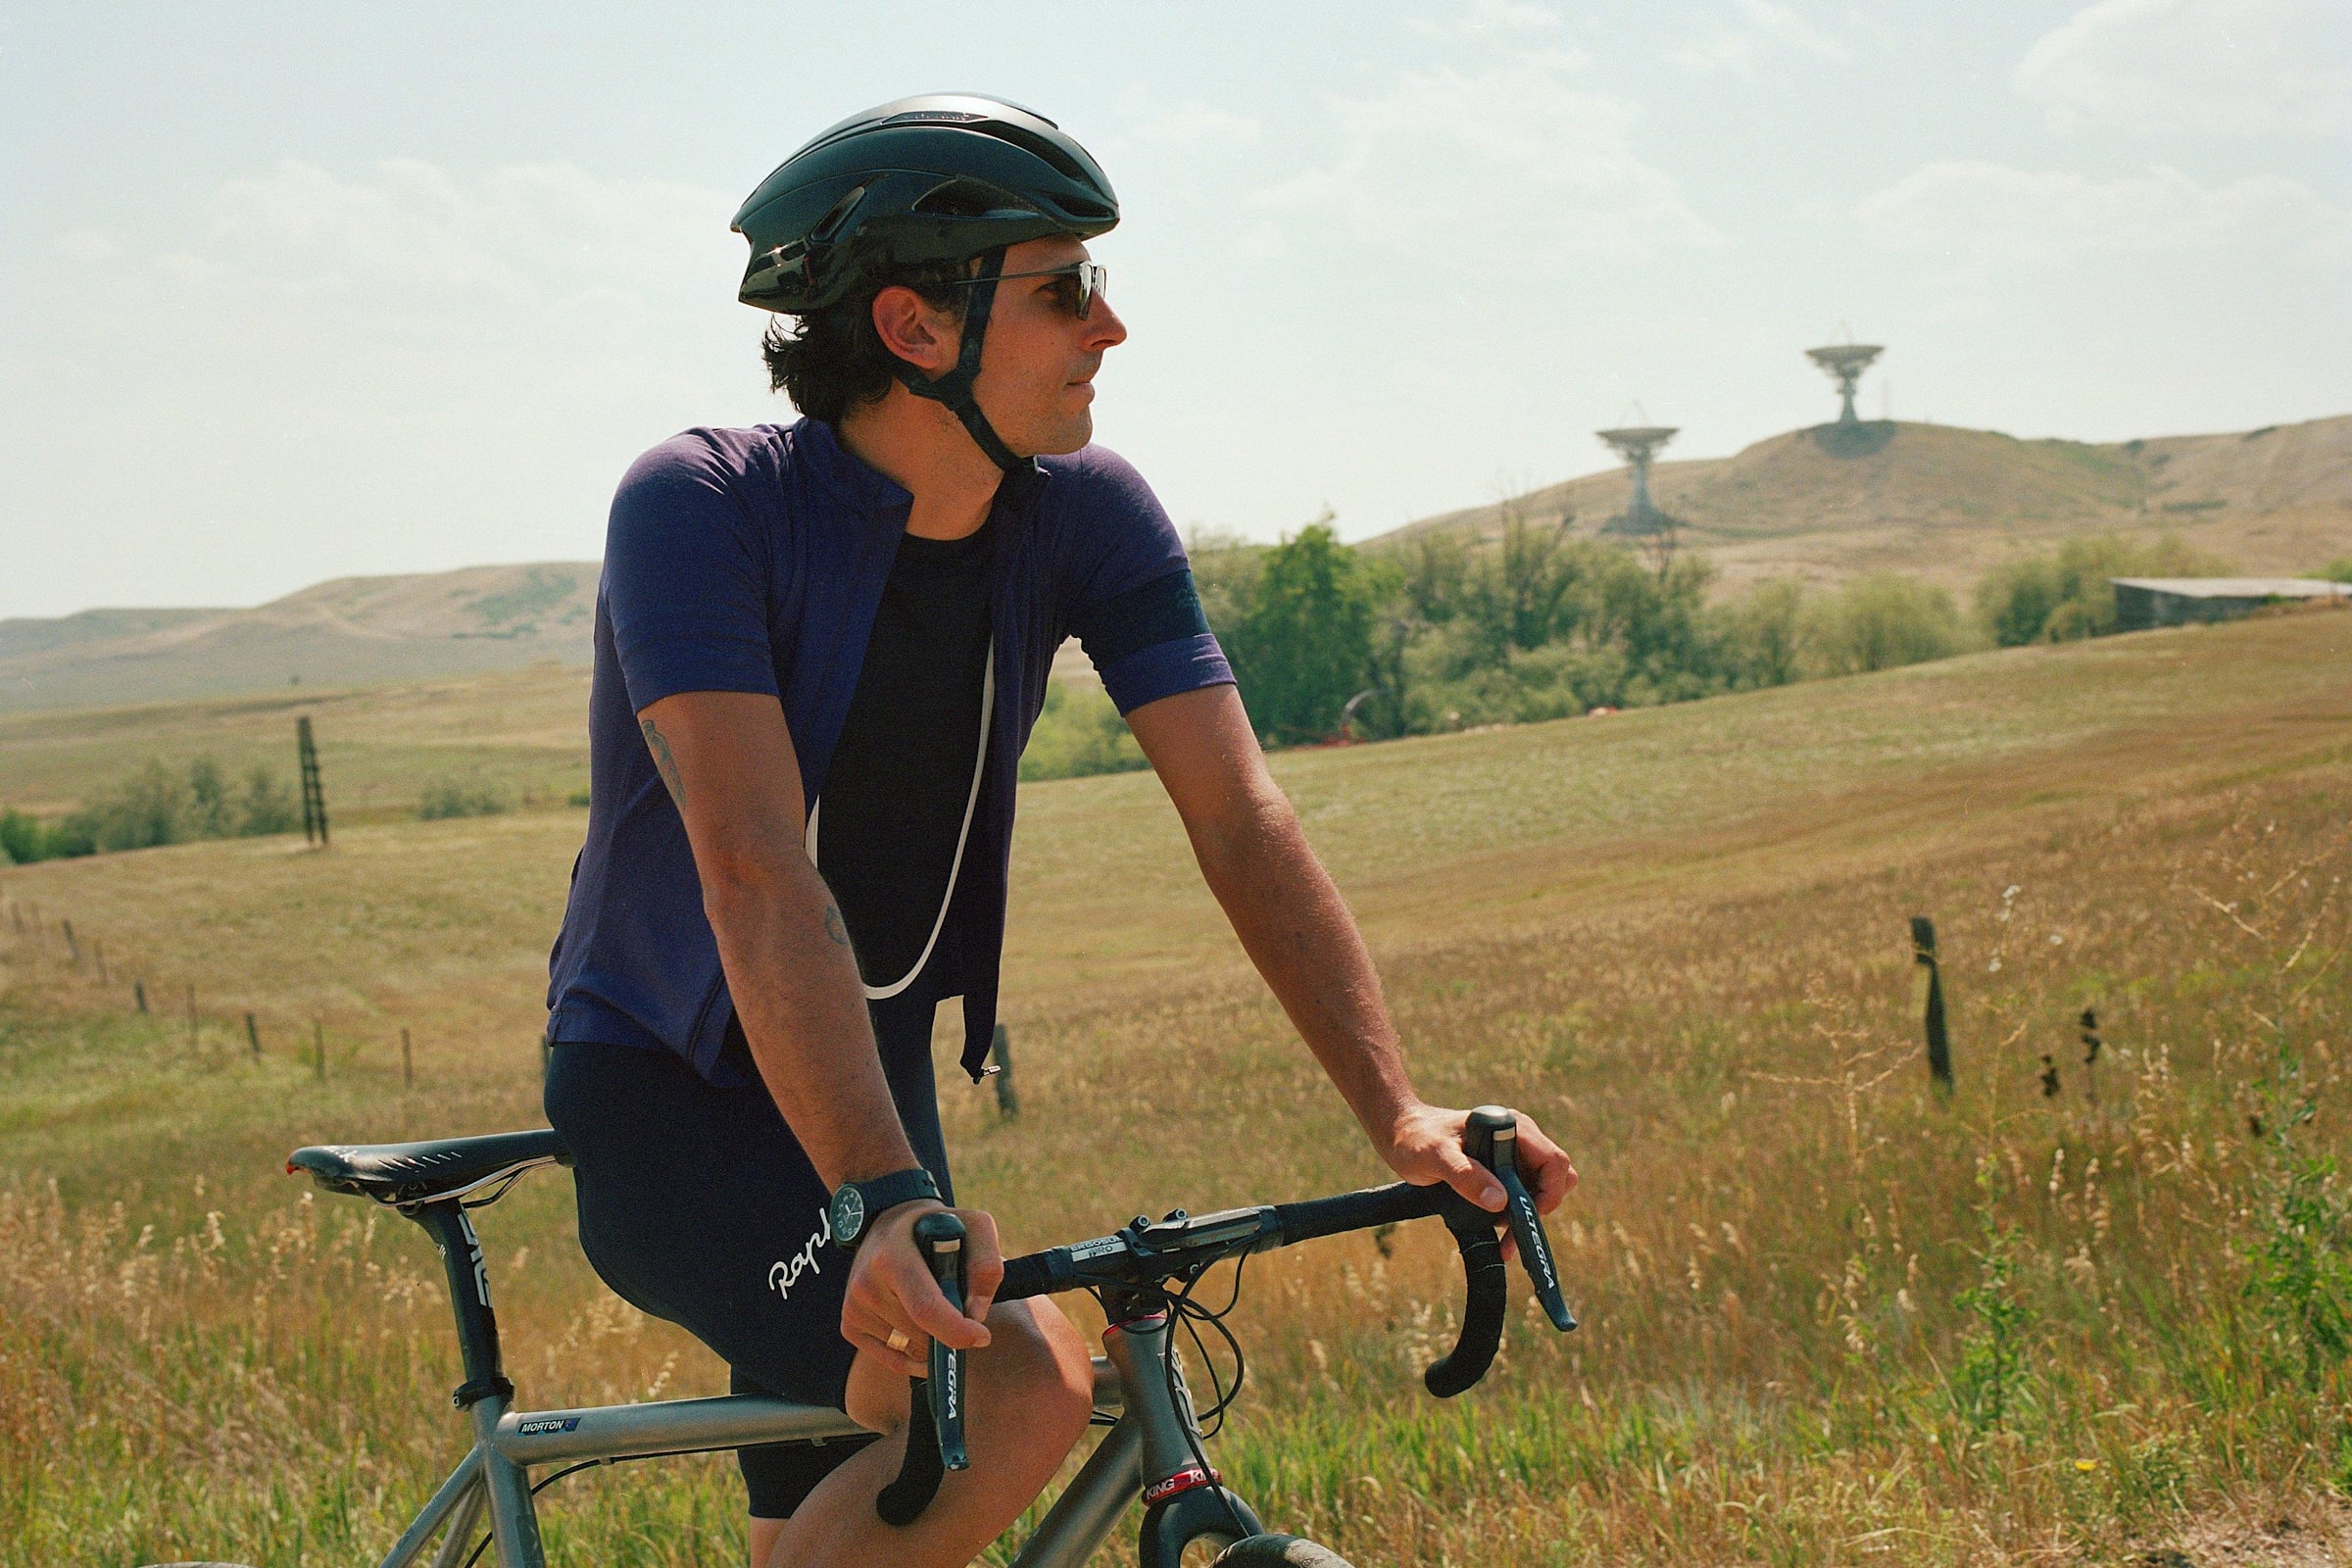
{"type": "Point", "coordinates": [1104, 329]}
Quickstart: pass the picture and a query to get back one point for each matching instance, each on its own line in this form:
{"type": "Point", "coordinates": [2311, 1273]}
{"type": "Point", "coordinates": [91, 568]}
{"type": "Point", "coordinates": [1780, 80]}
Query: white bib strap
{"type": "Point", "coordinates": [971, 800]}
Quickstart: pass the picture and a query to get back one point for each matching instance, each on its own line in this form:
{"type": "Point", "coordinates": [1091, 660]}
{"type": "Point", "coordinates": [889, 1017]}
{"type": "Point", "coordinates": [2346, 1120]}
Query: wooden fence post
{"type": "Point", "coordinates": [2089, 1026]}
{"type": "Point", "coordinates": [73, 948]}
{"type": "Point", "coordinates": [98, 950]}
{"type": "Point", "coordinates": [1940, 1044]}
{"type": "Point", "coordinates": [138, 994]}
{"type": "Point", "coordinates": [252, 1036]}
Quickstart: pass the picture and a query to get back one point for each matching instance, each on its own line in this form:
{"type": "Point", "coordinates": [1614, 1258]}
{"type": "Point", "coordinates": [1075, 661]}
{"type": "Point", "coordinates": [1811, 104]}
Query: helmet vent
{"type": "Point", "coordinates": [957, 198]}
{"type": "Point", "coordinates": [836, 215]}
{"type": "Point", "coordinates": [1043, 149]}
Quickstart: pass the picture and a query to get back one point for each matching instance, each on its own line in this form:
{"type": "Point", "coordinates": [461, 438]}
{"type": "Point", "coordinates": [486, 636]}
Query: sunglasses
{"type": "Point", "coordinates": [1090, 279]}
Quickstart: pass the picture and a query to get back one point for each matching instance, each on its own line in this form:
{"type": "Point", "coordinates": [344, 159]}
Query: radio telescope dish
{"type": "Point", "coordinates": [1846, 363]}
{"type": "Point", "coordinates": [1638, 444]}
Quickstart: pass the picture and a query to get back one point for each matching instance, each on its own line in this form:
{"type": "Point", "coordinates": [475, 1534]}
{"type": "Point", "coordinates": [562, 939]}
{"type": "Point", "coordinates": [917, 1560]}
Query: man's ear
{"type": "Point", "coordinates": [918, 332]}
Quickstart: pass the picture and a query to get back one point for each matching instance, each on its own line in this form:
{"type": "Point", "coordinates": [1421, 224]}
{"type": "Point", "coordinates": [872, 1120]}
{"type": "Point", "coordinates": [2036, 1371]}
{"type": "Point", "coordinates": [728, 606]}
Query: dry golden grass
{"type": "Point", "coordinates": [1677, 936]}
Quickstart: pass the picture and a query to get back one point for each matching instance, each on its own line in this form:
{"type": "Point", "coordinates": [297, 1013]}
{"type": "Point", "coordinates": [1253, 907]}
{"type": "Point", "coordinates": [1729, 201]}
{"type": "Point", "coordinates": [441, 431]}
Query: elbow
{"type": "Point", "coordinates": [1243, 829]}
{"type": "Point", "coordinates": [741, 878]}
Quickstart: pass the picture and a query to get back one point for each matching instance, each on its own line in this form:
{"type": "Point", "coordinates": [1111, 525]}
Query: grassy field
{"type": "Point", "coordinates": [522, 731]}
{"type": "Point", "coordinates": [1830, 1316]}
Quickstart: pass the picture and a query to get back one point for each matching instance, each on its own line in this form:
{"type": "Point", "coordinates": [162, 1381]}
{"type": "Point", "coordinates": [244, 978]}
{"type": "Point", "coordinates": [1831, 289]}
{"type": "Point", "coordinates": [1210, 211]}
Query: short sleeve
{"type": "Point", "coordinates": [685, 578]}
{"type": "Point", "coordinates": [1136, 612]}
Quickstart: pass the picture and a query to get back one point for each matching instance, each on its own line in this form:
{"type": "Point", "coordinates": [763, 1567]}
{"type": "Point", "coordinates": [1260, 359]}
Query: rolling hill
{"type": "Point", "coordinates": [343, 632]}
{"type": "Point", "coordinates": [1930, 500]}
{"type": "Point", "coordinates": [1946, 504]}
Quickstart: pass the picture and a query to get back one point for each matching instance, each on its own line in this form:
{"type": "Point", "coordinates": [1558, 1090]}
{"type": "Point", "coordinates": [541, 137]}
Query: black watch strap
{"type": "Point", "coordinates": [858, 1204]}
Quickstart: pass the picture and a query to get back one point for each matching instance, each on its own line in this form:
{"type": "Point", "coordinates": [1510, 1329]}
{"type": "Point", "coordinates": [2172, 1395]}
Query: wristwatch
{"type": "Point", "coordinates": [856, 1206]}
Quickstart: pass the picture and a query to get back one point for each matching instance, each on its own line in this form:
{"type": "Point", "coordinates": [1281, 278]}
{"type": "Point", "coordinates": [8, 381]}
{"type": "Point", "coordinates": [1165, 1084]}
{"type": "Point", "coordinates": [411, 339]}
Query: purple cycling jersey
{"type": "Point", "coordinates": [753, 560]}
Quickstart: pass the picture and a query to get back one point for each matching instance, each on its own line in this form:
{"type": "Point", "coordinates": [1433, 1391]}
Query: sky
{"type": "Point", "coordinates": [290, 292]}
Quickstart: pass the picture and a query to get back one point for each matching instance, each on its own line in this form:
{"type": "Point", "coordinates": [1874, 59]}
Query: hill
{"type": "Point", "coordinates": [1946, 502]}
{"type": "Point", "coordinates": [338, 633]}
{"type": "Point", "coordinates": [1679, 936]}
{"type": "Point", "coordinates": [1930, 500]}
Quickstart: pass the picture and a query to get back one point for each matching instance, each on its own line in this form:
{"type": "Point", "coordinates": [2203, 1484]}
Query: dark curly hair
{"type": "Point", "coordinates": [831, 361]}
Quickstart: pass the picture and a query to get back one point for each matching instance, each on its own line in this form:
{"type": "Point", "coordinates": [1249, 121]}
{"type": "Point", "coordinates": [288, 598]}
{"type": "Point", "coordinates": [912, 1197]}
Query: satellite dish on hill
{"type": "Point", "coordinates": [1638, 444]}
{"type": "Point", "coordinates": [1845, 361]}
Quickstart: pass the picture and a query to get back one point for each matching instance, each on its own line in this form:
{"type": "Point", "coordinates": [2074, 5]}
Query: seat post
{"type": "Point", "coordinates": [486, 1393]}
{"type": "Point", "coordinates": [461, 1249]}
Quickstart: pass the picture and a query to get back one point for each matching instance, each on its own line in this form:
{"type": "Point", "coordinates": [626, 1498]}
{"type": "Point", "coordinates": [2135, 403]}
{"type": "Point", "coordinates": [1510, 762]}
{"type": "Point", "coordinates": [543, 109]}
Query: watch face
{"type": "Point", "coordinates": [849, 1215]}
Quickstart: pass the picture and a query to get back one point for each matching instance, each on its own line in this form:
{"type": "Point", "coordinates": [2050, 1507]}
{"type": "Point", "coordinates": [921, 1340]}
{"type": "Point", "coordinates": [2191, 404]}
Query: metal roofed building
{"type": "Point", "coordinates": [2141, 602]}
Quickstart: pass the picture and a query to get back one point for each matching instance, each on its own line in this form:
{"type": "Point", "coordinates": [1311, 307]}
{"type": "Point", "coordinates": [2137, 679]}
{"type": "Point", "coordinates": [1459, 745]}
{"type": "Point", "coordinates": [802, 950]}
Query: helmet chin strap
{"type": "Point", "coordinates": [955, 388]}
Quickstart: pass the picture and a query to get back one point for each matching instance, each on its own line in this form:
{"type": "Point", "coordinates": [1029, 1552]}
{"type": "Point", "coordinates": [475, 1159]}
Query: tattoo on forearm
{"type": "Point", "coordinates": [834, 928]}
{"type": "Point", "coordinates": [663, 762]}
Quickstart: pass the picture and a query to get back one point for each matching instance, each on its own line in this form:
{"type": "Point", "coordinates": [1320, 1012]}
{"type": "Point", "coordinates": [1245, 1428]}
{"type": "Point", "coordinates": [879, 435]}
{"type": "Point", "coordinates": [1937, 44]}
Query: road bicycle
{"type": "Point", "coordinates": [1143, 1276]}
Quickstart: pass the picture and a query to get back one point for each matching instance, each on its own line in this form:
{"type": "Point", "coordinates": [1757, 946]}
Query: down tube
{"type": "Point", "coordinates": [1088, 1508]}
{"type": "Point", "coordinates": [458, 1489]}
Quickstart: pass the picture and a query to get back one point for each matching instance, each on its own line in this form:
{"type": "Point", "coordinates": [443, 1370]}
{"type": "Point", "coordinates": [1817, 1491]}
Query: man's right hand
{"type": "Point", "coordinates": [891, 1288]}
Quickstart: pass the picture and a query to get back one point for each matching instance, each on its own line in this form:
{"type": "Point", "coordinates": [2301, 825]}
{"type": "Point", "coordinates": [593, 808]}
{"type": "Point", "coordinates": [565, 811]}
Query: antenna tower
{"type": "Point", "coordinates": [1638, 444]}
{"type": "Point", "coordinates": [1845, 361]}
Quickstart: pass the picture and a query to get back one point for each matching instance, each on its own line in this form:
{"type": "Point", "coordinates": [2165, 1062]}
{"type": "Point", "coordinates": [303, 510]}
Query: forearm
{"type": "Point", "coordinates": [795, 988]}
{"type": "Point", "coordinates": [1300, 934]}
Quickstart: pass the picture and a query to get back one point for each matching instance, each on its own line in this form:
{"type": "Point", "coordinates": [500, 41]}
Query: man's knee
{"type": "Point", "coordinates": [1036, 1370]}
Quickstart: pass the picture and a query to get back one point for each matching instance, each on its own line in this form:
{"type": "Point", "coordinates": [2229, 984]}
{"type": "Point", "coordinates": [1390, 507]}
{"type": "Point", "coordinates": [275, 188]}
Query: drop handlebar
{"type": "Point", "coordinates": [1145, 1253]}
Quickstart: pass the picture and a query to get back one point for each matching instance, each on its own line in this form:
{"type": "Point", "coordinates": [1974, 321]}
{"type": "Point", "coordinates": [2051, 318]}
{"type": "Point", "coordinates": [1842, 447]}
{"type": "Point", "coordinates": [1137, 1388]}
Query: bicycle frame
{"type": "Point", "coordinates": [1148, 1451]}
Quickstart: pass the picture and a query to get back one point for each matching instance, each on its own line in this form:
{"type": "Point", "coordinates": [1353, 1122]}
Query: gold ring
{"type": "Point", "coordinates": [898, 1340]}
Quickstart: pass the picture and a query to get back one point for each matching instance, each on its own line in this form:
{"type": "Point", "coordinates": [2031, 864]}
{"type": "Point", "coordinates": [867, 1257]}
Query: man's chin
{"type": "Point", "coordinates": [1066, 436]}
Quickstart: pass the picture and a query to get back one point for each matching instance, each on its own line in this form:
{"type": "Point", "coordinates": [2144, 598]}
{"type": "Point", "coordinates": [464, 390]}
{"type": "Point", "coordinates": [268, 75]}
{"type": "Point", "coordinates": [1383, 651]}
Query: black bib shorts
{"type": "Point", "coordinates": [698, 1205]}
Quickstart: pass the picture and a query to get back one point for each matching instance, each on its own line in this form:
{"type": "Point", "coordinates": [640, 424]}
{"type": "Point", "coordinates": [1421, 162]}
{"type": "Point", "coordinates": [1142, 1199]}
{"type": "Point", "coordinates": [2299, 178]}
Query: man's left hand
{"type": "Point", "coordinates": [1424, 1147]}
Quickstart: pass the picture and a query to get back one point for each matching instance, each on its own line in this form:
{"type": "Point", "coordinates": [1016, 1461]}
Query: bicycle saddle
{"type": "Point", "coordinates": [406, 1174]}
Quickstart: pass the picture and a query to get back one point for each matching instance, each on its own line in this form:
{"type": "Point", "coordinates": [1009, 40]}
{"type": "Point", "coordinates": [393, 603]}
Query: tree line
{"type": "Point", "coordinates": [1446, 630]}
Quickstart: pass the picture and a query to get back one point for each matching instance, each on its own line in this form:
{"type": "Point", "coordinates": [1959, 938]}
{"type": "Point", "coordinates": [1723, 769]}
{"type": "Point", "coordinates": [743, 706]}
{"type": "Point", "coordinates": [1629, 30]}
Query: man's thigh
{"type": "Point", "coordinates": [697, 1206]}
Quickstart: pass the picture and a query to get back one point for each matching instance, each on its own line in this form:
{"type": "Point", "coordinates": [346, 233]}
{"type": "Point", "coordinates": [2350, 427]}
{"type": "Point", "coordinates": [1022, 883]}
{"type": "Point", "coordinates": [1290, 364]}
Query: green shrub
{"type": "Point", "coordinates": [1761, 635]}
{"type": "Point", "coordinates": [22, 839]}
{"type": "Point", "coordinates": [268, 806]}
{"type": "Point", "coordinates": [2337, 570]}
{"type": "Point", "coordinates": [1080, 732]}
{"type": "Point", "coordinates": [153, 806]}
{"type": "Point", "coordinates": [1881, 621]}
{"type": "Point", "coordinates": [2064, 594]}
{"type": "Point", "coordinates": [463, 794]}
{"type": "Point", "coordinates": [157, 804]}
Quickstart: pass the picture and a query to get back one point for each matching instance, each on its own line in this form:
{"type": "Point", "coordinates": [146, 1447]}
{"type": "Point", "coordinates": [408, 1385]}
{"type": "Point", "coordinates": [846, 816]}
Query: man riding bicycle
{"type": "Point", "coordinates": [819, 649]}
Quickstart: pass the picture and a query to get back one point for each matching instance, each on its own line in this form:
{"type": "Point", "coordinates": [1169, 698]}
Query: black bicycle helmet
{"type": "Point", "coordinates": [943, 178]}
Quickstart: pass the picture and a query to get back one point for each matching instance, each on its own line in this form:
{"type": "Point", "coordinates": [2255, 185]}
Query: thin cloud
{"type": "Point", "coordinates": [1198, 125]}
{"type": "Point", "coordinates": [1512, 162]}
{"type": "Point", "coordinates": [1488, 19]}
{"type": "Point", "coordinates": [1986, 218]}
{"type": "Point", "coordinates": [521, 235]}
{"type": "Point", "coordinates": [1734, 47]}
{"type": "Point", "coordinates": [2235, 68]}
